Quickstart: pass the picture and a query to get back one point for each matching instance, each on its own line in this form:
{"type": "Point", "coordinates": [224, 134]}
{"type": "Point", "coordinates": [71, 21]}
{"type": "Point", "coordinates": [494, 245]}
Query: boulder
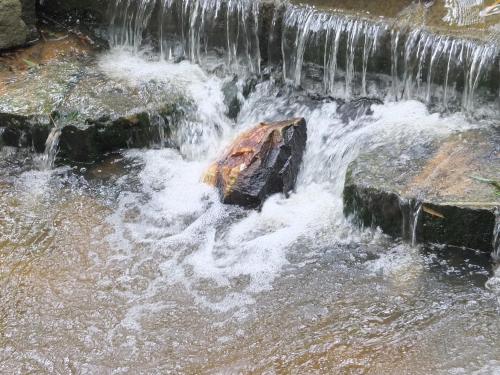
{"type": "Point", "coordinates": [13, 30]}
{"type": "Point", "coordinates": [57, 85]}
{"type": "Point", "coordinates": [262, 161]}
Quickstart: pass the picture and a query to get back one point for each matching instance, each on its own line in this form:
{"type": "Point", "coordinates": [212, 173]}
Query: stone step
{"type": "Point", "coordinates": [56, 83]}
{"type": "Point", "coordinates": [432, 192]}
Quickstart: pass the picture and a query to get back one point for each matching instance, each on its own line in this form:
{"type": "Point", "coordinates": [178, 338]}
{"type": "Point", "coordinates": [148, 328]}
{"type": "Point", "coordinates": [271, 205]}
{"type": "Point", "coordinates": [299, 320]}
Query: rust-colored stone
{"type": "Point", "coordinates": [262, 161]}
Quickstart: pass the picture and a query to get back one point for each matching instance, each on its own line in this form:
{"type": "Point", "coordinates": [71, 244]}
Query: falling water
{"type": "Point", "coordinates": [395, 35]}
{"type": "Point", "coordinates": [306, 29]}
{"type": "Point", "coordinates": [426, 66]}
{"type": "Point", "coordinates": [496, 237]}
{"type": "Point", "coordinates": [189, 28]}
{"type": "Point", "coordinates": [49, 155]}
{"type": "Point", "coordinates": [459, 62]}
{"type": "Point", "coordinates": [414, 222]}
{"type": "Point", "coordinates": [350, 52]}
{"type": "Point", "coordinates": [128, 22]}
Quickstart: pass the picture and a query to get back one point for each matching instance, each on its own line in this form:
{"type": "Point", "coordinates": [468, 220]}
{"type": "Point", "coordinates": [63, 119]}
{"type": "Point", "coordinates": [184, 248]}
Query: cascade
{"type": "Point", "coordinates": [460, 63]}
{"type": "Point", "coordinates": [189, 28]}
{"type": "Point", "coordinates": [306, 30]}
{"type": "Point", "coordinates": [419, 60]}
{"type": "Point", "coordinates": [347, 54]}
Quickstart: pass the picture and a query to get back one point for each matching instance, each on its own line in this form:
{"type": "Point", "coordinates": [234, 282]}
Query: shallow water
{"type": "Point", "coordinates": [133, 265]}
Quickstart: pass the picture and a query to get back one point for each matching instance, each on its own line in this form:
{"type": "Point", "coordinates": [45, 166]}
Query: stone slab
{"type": "Point", "coordinates": [57, 83]}
{"type": "Point", "coordinates": [433, 192]}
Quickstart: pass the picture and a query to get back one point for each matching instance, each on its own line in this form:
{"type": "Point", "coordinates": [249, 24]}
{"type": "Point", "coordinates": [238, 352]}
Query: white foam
{"type": "Point", "coordinates": [205, 124]}
{"type": "Point", "coordinates": [223, 256]}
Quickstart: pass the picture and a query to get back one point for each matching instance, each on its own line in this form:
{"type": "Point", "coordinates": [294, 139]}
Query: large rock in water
{"type": "Point", "coordinates": [262, 161]}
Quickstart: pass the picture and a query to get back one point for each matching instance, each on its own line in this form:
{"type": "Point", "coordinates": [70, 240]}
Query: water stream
{"type": "Point", "coordinates": [346, 54]}
{"type": "Point", "coordinates": [48, 158]}
{"type": "Point", "coordinates": [133, 265]}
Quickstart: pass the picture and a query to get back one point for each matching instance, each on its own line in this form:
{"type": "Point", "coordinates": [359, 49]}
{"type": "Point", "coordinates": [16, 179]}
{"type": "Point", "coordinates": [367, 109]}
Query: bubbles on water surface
{"type": "Point", "coordinates": [222, 255]}
{"type": "Point", "coordinates": [171, 277]}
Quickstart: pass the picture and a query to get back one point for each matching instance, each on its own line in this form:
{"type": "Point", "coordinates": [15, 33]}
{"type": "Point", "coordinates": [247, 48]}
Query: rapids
{"type": "Point", "coordinates": [137, 268]}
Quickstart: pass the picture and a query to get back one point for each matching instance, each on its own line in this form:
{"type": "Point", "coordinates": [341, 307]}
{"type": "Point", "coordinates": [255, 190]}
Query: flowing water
{"type": "Point", "coordinates": [133, 265]}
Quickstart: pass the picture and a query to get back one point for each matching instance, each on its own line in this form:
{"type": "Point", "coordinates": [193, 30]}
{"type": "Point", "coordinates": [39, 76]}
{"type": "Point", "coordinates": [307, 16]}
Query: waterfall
{"type": "Point", "coordinates": [191, 28]}
{"type": "Point", "coordinates": [496, 237]}
{"type": "Point", "coordinates": [419, 59]}
{"type": "Point", "coordinates": [306, 30]}
{"type": "Point", "coordinates": [414, 222]}
{"type": "Point", "coordinates": [460, 62]}
{"type": "Point", "coordinates": [347, 55]}
{"type": "Point", "coordinates": [128, 22]}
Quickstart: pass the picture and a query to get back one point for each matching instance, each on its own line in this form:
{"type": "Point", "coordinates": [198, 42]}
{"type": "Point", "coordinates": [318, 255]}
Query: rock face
{"type": "Point", "coordinates": [13, 30]}
{"type": "Point", "coordinates": [438, 193]}
{"type": "Point", "coordinates": [56, 83]}
{"type": "Point", "coordinates": [262, 161]}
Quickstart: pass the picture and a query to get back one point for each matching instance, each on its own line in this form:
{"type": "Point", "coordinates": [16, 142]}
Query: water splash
{"type": "Point", "coordinates": [202, 242]}
{"type": "Point", "coordinates": [201, 125]}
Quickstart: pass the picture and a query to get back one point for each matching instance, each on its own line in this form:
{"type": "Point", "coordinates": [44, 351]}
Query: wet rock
{"type": "Point", "coordinates": [262, 161]}
{"type": "Point", "coordinates": [232, 98]}
{"type": "Point", "coordinates": [429, 192]}
{"type": "Point", "coordinates": [91, 141]}
{"type": "Point", "coordinates": [24, 131]}
{"type": "Point", "coordinates": [235, 91]}
{"type": "Point", "coordinates": [13, 30]}
{"type": "Point", "coordinates": [58, 83]}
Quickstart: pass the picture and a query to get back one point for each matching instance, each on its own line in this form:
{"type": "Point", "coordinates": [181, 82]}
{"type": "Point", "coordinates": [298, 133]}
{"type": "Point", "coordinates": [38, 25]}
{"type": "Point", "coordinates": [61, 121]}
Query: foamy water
{"type": "Point", "coordinates": [179, 217]}
{"type": "Point", "coordinates": [150, 273]}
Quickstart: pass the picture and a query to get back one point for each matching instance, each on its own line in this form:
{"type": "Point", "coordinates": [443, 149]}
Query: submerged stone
{"type": "Point", "coordinates": [262, 161]}
{"type": "Point", "coordinates": [437, 192]}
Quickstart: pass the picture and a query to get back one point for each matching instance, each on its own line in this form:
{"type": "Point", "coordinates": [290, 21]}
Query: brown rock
{"type": "Point", "coordinates": [262, 161]}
